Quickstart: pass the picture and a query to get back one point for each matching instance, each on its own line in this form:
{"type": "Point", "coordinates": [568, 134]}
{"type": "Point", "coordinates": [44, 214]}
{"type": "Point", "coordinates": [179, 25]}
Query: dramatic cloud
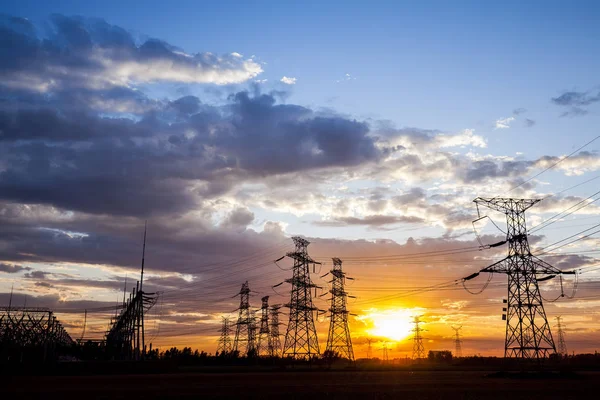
{"type": "Point", "coordinates": [288, 81]}
{"type": "Point", "coordinates": [12, 269]}
{"type": "Point", "coordinates": [504, 123]}
{"type": "Point", "coordinates": [90, 53]}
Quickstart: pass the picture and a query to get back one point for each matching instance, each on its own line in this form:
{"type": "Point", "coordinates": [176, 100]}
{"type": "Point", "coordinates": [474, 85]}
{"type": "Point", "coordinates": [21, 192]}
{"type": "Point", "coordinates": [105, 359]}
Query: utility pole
{"type": "Point", "coordinates": [457, 341]}
{"type": "Point", "coordinates": [264, 336]}
{"type": "Point", "coordinates": [301, 336]}
{"type": "Point", "coordinates": [528, 333]}
{"type": "Point", "coordinates": [339, 340]}
{"type": "Point", "coordinates": [562, 346]}
{"type": "Point", "coordinates": [244, 331]}
{"type": "Point", "coordinates": [369, 351]}
{"type": "Point", "coordinates": [418, 348]}
{"type": "Point", "coordinates": [224, 346]}
{"type": "Point", "coordinates": [275, 341]}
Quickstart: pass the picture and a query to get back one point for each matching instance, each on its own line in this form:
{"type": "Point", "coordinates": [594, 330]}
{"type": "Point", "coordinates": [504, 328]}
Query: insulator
{"type": "Point", "coordinates": [546, 278]}
{"type": "Point", "coordinates": [280, 258]}
{"type": "Point", "coordinates": [476, 274]}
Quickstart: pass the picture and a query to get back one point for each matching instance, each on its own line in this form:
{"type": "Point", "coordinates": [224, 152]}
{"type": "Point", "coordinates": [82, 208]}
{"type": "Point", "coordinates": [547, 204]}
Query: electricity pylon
{"type": "Point", "coordinates": [562, 346]}
{"type": "Point", "coordinates": [244, 329]}
{"type": "Point", "coordinates": [301, 336]}
{"type": "Point", "coordinates": [339, 340]}
{"type": "Point", "coordinates": [384, 349]}
{"type": "Point", "coordinates": [264, 336]}
{"type": "Point", "coordinates": [418, 348]}
{"type": "Point", "coordinates": [224, 346]}
{"type": "Point", "coordinates": [275, 342]}
{"type": "Point", "coordinates": [528, 333]}
{"type": "Point", "coordinates": [457, 342]}
{"type": "Point", "coordinates": [369, 351]}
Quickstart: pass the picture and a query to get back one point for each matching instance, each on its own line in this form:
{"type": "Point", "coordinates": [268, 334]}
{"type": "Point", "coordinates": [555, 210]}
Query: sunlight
{"type": "Point", "coordinates": [391, 324]}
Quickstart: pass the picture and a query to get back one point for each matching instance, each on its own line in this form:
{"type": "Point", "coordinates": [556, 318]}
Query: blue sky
{"type": "Point", "coordinates": [400, 113]}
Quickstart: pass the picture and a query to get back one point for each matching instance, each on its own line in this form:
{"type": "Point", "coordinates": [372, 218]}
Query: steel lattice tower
{"type": "Point", "coordinates": [562, 346]}
{"type": "Point", "coordinates": [301, 336]}
{"type": "Point", "coordinates": [244, 329]}
{"type": "Point", "coordinates": [457, 341]}
{"type": "Point", "coordinates": [369, 351]}
{"type": "Point", "coordinates": [275, 342]}
{"type": "Point", "coordinates": [418, 348]}
{"type": "Point", "coordinates": [339, 340]}
{"type": "Point", "coordinates": [528, 333]}
{"type": "Point", "coordinates": [264, 335]}
{"type": "Point", "coordinates": [385, 352]}
{"type": "Point", "coordinates": [225, 346]}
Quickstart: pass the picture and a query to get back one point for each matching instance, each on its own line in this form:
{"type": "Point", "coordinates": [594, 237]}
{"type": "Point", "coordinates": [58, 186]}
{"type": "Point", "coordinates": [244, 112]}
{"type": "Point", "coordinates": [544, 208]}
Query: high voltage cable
{"type": "Point", "coordinates": [554, 165]}
{"type": "Point", "coordinates": [553, 219]}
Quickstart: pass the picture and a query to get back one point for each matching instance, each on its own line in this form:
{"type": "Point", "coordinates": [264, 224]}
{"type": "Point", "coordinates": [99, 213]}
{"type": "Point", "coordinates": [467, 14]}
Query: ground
{"type": "Point", "coordinates": [310, 385]}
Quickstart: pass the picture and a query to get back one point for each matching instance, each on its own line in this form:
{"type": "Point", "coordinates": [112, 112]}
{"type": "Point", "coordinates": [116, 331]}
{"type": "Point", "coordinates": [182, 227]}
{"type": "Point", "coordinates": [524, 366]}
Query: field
{"type": "Point", "coordinates": [309, 385]}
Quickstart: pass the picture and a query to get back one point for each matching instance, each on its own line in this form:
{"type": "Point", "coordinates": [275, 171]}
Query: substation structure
{"type": "Point", "coordinates": [31, 335]}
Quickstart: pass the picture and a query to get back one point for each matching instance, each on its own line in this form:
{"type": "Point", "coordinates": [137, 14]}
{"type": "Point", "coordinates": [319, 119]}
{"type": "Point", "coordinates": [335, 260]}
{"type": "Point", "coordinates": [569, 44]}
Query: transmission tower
{"type": "Point", "coordinates": [224, 346]}
{"type": "Point", "coordinates": [385, 352]}
{"type": "Point", "coordinates": [418, 348]}
{"type": "Point", "coordinates": [244, 329]}
{"type": "Point", "coordinates": [301, 336]}
{"type": "Point", "coordinates": [528, 333]}
{"type": "Point", "coordinates": [339, 340]}
{"type": "Point", "coordinates": [562, 346]}
{"type": "Point", "coordinates": [369, 351]}
{"type": "Point", "coordinates": [275, 341]}
{"type": "Point", "coordinates": [457, 341]}
{"type": "Point", "coordinates": [264, 336]}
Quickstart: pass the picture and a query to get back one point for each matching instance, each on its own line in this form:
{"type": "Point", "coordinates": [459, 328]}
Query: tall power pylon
{"type": "Point", "coordinates": [418, 348]}
{"type": "Point", "coordinates": [562, 346]}
{"type": "Point", "coordinates": [385, 354]}
{"type": "Point", "coordinates": [225, 346]}
{"type": "Point", "coordinates": [339, 340]}
{"type": "Point", "coordinates": [264, 336]}
{"type": "Point", "coordinates": [275, 342]}
{"type": "Point", "coordinates": [301, 336]}
{"type": "Point", "coordinates": [244, 329]}
{"type": "Point", "coordinates": [457, 341]}
{"type": "Point", "coordinates": [528, 334]}
{"type": "Point", "coordinates": [369, 351]}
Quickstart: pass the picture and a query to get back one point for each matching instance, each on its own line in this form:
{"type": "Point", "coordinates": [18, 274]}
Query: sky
{"type": "Point", "coordinates": [367, 128]}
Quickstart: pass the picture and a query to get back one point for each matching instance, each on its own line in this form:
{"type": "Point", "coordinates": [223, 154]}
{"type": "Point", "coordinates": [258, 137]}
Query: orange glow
{"type": "Point", "coordinates": [394, 325]}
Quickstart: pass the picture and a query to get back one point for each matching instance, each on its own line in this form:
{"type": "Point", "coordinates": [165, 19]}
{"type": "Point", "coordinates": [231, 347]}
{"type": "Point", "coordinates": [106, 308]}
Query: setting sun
{"type": "Point", "coordinates": [391, 324]}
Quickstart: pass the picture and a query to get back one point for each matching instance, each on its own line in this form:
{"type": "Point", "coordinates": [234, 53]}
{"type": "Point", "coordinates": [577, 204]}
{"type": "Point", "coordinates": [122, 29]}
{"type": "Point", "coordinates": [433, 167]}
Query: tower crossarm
{"type": "Point", "coordinates": [542, 267]}
{"type": "Point", "coordinates": [501, 267]}
{"type": "Point", "coordinates": [504, 205]}
{"type": "Point", "coordinates": [302, 257]}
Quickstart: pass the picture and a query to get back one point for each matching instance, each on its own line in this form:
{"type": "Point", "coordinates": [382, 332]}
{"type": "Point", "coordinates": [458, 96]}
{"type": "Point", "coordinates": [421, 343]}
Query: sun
{"type": "Point", "coordinates": [392, 324]}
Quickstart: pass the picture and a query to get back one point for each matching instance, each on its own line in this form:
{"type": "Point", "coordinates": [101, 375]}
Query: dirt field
{"type": "Point", "coordinates": [305, 385]}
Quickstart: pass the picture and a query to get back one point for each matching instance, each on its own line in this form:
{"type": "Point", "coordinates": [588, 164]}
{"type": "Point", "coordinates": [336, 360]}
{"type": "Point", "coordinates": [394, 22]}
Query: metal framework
{"type": "Point", "coordinates": [457, 341]}
{"type": "Point", "coordinates": [418, 348]}
{"type": "Point", "coordinates": [384, 349]}
{"type": "Point", "coordinates": [125, 339]}
{"type": "Point", "coordinates": [225, 346]}
{"type": "Point", "coordinates": [265, 344]}
{"type": "Point", "coordinates": [275, 342]}
{"type": "Point", "coordinates": [301, 336]}
{"type": "Point", "coordinates": [244, 341]}
{"type": "Point", "coordinates": [528, 334]}
{"type": "Point", "coordinates": [562, 346]}
{"type": "Point", "coordinates": [339, 340]}
{"type": "Point", "coordinates": [369, 351]}
{"type": "Point", "coordinates": [31, 333]}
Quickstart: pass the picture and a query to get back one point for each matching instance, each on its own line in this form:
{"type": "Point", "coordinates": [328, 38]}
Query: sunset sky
{"type": "Point", "coordinates": [366, 127]}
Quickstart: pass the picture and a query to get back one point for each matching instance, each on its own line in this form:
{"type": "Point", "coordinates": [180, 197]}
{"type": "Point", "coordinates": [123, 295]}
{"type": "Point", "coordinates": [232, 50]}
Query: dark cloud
{"type": "Point", "coordinates": [519, 111]}
{"type": "Point", "coordinates": [529, 122]}
{"type": "Point", "coordinates": [481, 170]}
{"type": "Point", "coordinates": [37, 274]}
{"type": "Point", "coordinates": [79, 52]}
{"type": "Point", "coordinates": [12, 268]}
{"type": "Point", "coordinates": [576, 101]}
